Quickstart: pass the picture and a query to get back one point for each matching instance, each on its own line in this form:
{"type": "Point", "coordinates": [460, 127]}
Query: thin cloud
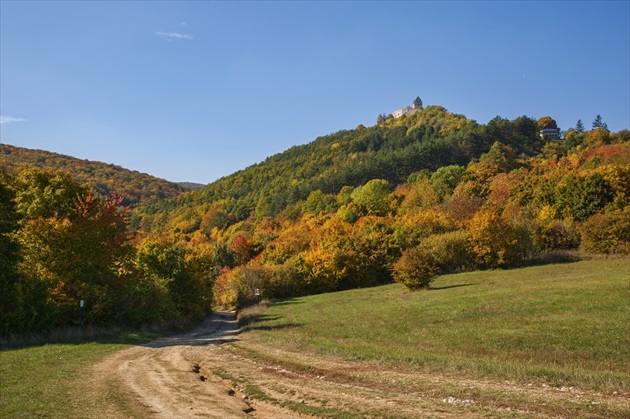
{"type": "Point", "coordinates": [173, 35]}
{"type": "Point", "coordinates": [7, 119]}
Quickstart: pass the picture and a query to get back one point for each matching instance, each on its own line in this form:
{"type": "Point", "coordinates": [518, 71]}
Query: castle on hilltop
{"type": "Point", "coordinates": [409, 110]}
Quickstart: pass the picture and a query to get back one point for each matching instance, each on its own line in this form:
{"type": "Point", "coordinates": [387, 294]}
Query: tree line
{"type": "Point", "coordinates": [61, 243]}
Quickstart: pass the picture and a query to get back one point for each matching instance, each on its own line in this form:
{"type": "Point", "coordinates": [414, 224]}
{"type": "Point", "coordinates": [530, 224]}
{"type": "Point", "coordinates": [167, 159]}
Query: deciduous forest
{"type": "Point", "coordinates": [405, 200]}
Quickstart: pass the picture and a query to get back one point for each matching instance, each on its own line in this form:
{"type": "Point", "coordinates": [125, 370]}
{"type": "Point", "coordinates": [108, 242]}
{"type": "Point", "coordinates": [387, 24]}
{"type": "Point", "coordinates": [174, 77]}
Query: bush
{"type": "Point", "coordinates": [495, 242]}
{"type": "Point", "coordinates": [286, 280]}
{"type": "Point", "coordinates": [410, 230]}
{"type": "Point", "coordinates": [416, 268]}
{"type": "Point", "coordinates": [236, 286]}
{"type": "Point", "coordinates": [607, 233]}
{"type": "Point", "coordinates": [450, 251]}
{"type": "Point", "coordinates": [554, 235]}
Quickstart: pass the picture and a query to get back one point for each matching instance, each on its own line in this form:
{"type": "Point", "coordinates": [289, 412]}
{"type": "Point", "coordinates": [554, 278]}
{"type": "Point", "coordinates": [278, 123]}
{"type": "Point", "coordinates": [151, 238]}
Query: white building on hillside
{"type": "Point", "coordinates": [409, 110]}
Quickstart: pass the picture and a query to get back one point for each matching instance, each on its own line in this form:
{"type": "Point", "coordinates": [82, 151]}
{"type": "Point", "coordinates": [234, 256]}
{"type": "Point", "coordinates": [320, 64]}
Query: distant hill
{"type": "Point", "coordinates": [135, 187]}
{"type": "Point", "coordinates": [191, 185]}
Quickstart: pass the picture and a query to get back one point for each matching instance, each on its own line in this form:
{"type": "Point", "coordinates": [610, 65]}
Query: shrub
{"type": "Point", "coordinates": [450, 251]}
{"type": "Point", "coordinates": [494, 242]}
{"type": "Point", "coordinates": [607, 233]}
{"type": "Point", "coordinates": [286, 280]}
{"type": "Point", "coordinates": [416, 268]}
{"type": "Point", "coordinates": [410, 230]}
{"type": "Point", "coordinates": [553, 235]}
{"type": "Point", "coordinates": [236, 286]}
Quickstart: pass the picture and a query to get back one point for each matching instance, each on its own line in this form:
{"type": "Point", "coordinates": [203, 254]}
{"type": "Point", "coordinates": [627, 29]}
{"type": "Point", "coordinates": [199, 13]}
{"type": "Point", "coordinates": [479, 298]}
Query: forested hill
{"type": "Point", "coordinates": [406, 200]}
{"type": "Point", "coordinates": [104, 178]}
{"type": "Point", "coordinates": [390, 150]}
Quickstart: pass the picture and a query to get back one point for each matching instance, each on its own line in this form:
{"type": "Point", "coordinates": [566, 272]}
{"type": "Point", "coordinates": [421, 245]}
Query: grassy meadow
{"type": "Point", "coordinates": [559, 325]}
{"type": "Point", "coordinates": [51, 380]}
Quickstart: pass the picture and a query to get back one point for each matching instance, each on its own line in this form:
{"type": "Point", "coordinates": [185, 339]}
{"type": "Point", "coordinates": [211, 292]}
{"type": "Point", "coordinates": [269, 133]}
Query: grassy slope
{"type": "Point", "coordinates": [559, 324]}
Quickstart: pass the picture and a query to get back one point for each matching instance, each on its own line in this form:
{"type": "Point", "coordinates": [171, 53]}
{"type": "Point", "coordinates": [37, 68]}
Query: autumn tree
{"type": "Point", "coordinates": [243, 250]}
{"type": "Point", "coordinates": [419, 196]}
{"type": "Point", "coordinates": [73, 242]}
{"type": "Point", "coordinates": [9, 257]}
{"type": "Point", "coordinates": [598, 136]}
{"type": "Point", "coordinates": [416, 268]}
{"type": "Point", "coordinates": [494, 242]}
{"type": "Point", "coordinates": [546, 122]}
{"type": "Point", "coordinates": [607, 233]}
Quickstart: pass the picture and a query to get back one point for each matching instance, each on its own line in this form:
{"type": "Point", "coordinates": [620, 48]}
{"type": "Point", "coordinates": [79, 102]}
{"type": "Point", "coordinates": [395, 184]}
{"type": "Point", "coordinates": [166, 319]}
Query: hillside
{"type": "Point", "coordinates": [406, 200]}
{"type": "Point", "coordinates": [135, 187]}
{"type": "Point", "coordinates": [391, 150]}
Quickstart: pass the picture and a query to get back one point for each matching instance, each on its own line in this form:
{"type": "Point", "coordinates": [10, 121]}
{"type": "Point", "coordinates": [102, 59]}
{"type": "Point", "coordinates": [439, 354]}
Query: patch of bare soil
{"type": "Point", "coordinates": [216, 372]}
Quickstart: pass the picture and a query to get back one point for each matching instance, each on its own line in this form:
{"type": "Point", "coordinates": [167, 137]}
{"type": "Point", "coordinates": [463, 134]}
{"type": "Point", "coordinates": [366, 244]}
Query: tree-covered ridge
{"type": "Point", "coordinates": [104, 178]}
{"type": "Point", "coordinates": [392, 150]}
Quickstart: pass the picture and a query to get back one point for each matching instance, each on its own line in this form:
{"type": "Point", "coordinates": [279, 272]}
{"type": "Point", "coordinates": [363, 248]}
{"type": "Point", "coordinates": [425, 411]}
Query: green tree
{"type": "Point", "coordinates": [579, 127]}
{"type": "Point", "coordinates": [446, 178]}
{"type": "Point", "coordinates": [598, 123]}
{"type": "Point", "coordinates": [165, 264]}
{"type": "Point", "coordinates": [317, 202]}
{"type": "Point", "coordinates": [582, 195]}
{"type": "Point", "coordinates": [373, 197]}
{"type": "Point", "coordinates": [224, 255]}
{"type": "Point", "coordinates": [500, 156]}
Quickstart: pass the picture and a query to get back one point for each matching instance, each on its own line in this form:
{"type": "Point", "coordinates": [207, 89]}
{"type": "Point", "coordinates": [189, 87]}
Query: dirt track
{"type": "Point", "coordinates": [203, 375]}
{"type": "Point", "coordinates": [169, 378]}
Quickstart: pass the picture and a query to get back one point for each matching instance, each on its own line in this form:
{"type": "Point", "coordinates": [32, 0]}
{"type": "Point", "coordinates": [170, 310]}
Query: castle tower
{"type": "Point", "coordinates": [417, 103]}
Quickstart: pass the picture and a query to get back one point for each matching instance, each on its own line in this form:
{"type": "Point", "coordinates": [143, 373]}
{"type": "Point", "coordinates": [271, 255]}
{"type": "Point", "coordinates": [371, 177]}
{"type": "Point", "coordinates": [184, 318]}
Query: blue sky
{"type": "Point", "coordinates": [193, 91]}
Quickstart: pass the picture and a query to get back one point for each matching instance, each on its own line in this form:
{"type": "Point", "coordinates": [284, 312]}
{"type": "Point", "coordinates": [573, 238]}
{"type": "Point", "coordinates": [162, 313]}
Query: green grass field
{"type": "Point", "coordinates": [560, 325]}
{"type": "Point", "coordinates": [50, 381]}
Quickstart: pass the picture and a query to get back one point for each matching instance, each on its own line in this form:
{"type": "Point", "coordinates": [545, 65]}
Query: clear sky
{"type": "Point", "coordinates": [193, 91]}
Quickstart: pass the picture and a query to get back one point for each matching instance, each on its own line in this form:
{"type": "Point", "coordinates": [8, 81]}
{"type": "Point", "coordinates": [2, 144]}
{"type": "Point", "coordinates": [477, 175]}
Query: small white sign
{"type": "Point", "coordinates": [256, 292]}
{"type": "Point", "coordinates": [80, 303]}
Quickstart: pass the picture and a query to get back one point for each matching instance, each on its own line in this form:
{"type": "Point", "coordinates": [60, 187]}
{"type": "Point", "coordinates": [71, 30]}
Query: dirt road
{"type": "Point", "coordinates": [171, 378]}
{"type": "Point", "coordinates": [217, 372]}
